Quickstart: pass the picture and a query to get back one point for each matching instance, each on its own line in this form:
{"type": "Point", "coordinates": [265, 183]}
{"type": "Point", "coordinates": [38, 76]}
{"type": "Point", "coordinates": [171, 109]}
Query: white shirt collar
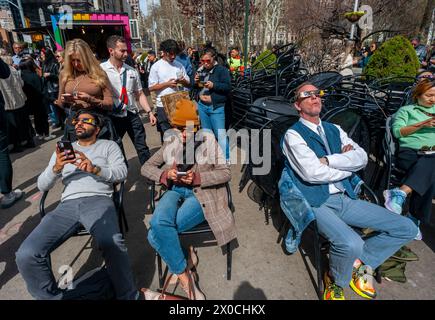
{"type": "Point", "coordinates": [311, 125]}
{"type": "Point", "coordinates": [111, 66]}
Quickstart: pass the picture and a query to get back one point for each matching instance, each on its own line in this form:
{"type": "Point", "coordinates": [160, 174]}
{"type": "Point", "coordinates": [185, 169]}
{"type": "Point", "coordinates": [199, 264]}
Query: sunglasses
{"type": "Point", "coordinates": [205, 60]}
{"type": "Point", "coordinates": [90, 121]}
{"type": "Point", "coordinates": [427, 148]}
{"type": "Point", "coordinates": [428, 76]}
{"type": "Point", "coordinates": [307, 94]}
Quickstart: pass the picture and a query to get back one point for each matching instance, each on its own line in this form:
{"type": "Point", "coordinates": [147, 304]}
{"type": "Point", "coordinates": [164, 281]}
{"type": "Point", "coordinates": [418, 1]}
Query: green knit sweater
{"type": "Point", "coordinates": [409, 115]}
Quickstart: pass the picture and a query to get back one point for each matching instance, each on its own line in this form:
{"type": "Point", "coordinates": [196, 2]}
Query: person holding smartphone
{"type": "Point", "coordinates": [193, 168]}
{"type": "Point", "coordinates": [167, 76]}
{"type": "Point", "coordinates": [414, 127]}
{"type": "Point", "coordinates": [82, 84]}
{"type": "Point", "coordinates": [86, 200]}
{"type": "Point", "coordinates": [214, 83]}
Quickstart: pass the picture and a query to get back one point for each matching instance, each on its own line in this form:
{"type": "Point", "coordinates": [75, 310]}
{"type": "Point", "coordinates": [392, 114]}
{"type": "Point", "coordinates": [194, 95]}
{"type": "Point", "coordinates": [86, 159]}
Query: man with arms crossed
{"type": "Point", "coordinates": [322, 158]}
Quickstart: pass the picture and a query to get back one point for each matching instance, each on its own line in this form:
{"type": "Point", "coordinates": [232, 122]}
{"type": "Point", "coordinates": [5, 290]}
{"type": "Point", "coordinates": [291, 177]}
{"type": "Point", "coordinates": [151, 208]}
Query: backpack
{"type": "Point", "coordinates": [93, 285]}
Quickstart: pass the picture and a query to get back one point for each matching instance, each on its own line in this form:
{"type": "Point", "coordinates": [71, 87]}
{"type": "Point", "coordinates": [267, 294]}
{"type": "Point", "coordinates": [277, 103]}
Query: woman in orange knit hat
{"type": "Point", "coordinates": [196, 192]}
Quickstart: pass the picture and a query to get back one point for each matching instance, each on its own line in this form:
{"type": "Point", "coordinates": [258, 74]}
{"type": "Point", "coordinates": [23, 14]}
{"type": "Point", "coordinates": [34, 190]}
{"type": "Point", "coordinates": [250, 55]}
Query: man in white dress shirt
{"type": "Point", "coordinates": [322, 158]}
{"type": "Point", "coordinates": [127, 91]}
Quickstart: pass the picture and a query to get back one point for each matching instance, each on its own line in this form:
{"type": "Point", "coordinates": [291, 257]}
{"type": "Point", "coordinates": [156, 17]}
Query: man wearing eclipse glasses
{"type": "Point", "coordinates": [88, 171]}
{"type": "Point", "coordinates": [320, 161]}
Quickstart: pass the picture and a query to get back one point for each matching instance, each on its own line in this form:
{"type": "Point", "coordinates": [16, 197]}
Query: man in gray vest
{"type": "Point", "coordinates": [322, 158]}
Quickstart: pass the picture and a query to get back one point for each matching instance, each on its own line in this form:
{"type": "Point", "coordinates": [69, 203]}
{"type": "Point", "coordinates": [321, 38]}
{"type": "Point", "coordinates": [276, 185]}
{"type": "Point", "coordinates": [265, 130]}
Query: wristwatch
{"type": "Point", "coordinates": [96, 170]}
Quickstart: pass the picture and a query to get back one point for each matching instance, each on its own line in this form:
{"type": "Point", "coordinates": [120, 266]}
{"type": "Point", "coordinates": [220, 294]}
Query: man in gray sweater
{"type": "Point", "coordinates": [86, 200]}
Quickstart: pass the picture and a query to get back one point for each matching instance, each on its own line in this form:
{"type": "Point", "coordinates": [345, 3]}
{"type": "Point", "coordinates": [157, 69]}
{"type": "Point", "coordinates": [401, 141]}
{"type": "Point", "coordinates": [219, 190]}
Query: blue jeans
{"type": "Point", "coordinates": [339, 212]}
{"type": "Point", "coordinates": [53, 115]}
{"type": "Point", "coordinates": [213, 118]}
{"type": "Point", "coordinates": [178, 210]}
{"type": "Point", "coordinates": [98, 215]}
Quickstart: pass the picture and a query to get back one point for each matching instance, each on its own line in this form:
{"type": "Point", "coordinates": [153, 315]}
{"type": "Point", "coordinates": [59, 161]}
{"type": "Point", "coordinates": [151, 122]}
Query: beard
{"type": "Point", "coordinates": [85, 134]}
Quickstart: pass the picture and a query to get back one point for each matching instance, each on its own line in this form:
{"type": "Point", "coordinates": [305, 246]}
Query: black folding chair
{"type": "Point", "coordinates": [202, 228]}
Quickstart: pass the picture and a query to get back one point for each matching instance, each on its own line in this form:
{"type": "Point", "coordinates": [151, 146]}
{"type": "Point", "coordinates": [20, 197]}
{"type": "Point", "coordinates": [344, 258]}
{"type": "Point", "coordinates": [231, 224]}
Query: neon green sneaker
{"type": "Point", "coordinates": [362, 282]}
{"type": "Point", "coordinates": [332, 291]}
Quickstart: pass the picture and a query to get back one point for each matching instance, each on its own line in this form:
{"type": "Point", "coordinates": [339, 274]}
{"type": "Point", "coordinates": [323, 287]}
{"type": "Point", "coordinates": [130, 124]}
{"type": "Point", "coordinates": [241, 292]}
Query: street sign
{"type": "Point", "coordinates": [27, 38]}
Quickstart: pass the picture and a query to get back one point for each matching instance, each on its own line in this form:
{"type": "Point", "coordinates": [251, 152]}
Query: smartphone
{"type": "Point", "coordinates": [67, 96]}
{"type": "Point", "coordinates": [181, 174]}
{"type": "Point", "coordinates": [66, 147]}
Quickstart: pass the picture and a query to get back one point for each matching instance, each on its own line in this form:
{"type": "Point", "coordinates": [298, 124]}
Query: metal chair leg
{"type": "Point", "coordinates": [160, 270]}
{"type": "Point", "coordinates": [318, 260]}
{"type": "Point", "coordinates": [229, 260]}
{"type": "Point", "coordinates": [281, 230]}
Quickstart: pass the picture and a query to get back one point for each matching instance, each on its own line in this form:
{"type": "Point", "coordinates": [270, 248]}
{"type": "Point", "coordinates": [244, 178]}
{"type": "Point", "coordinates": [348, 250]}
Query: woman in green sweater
{"type": "Point", "coordinates": [414, 127]}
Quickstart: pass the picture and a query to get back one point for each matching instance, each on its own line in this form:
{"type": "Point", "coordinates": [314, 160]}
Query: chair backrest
{"type": "Point", "coordinates": [353, 123]}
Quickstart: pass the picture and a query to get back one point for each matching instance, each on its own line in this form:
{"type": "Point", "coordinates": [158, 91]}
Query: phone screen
{"type": "Point", "coordinates": [67, 148]}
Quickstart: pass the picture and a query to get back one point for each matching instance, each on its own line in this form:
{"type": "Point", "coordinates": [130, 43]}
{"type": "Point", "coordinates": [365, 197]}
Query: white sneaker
{"type": "Point", "coordinates": [39, 136]}
{"type": "Point", "coordinates": [419, 235]}
{"type": "Point", "coordinates": [49, 137]}
{"type": "Point", "coordinates": [9, 199]}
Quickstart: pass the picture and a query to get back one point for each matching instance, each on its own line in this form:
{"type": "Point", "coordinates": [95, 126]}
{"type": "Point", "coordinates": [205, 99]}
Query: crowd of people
{"type": "Point", "coordinates": [75, 91]}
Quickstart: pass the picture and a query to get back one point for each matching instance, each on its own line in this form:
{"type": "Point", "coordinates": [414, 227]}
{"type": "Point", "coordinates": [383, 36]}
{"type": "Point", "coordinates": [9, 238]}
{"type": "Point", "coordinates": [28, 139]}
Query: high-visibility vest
{"type": "Point", "coordinates": [235, 64]}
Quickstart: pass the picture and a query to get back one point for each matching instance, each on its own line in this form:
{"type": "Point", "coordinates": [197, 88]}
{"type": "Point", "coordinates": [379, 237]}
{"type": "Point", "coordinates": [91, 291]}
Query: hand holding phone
{"type": "Point", "coordinates": [67, 97]}
{"type": "Point", "coordinates": [181, 174]}
{"type": "Point", "coordinates": [64, 155]}
{"type": "Point", "coordinates": [67, 149]}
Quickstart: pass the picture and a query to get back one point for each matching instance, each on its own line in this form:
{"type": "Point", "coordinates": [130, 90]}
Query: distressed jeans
{"type": "Point", "coordinates": [178, 210]}
{"type": "Point", "coordinates": [98, 215]}
{"type": "Point", "coordinates": [334, 219]}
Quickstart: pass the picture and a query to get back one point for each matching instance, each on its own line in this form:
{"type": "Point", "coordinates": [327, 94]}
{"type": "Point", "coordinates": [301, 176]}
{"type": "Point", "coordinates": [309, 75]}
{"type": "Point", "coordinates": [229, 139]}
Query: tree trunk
{"type": "Point", "coordinates": [426, 20]}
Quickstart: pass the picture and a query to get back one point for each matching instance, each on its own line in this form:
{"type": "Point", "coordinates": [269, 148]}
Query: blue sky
{"type": "Point", "coordinates": [143, 5]}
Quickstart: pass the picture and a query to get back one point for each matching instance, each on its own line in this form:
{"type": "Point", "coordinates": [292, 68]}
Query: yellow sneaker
{"type": "Point", "coordinates": [362, 282]}
{"type": "Point", "coordinates": [332, 291]}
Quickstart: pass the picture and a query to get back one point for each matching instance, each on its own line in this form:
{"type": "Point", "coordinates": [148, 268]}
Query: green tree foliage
{"type": "Point", "coordinates": [396, 57]}
{"type": "Point", "coordinates": [266, 60]}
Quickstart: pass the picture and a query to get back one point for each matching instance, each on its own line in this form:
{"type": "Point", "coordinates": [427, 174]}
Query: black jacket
{"type": "Point", "coordinates": [51, 83]}
{"type": "Point", "coordinates": [220, 76]}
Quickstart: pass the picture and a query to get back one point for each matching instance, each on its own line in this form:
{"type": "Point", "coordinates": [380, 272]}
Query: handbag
{"type": "Point", "coordinates": [169, 101]}
{"type": "Point", "coordinates": [163, 295]}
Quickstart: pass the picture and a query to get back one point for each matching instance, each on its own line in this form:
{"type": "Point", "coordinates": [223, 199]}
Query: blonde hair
{"type": "Point", "coordinates": [90, 64]}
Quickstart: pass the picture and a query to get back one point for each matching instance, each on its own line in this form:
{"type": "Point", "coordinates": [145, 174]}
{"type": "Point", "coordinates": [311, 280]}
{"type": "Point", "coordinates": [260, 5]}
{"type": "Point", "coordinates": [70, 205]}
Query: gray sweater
{"type": "Point", "coordinates": [78, 184]}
